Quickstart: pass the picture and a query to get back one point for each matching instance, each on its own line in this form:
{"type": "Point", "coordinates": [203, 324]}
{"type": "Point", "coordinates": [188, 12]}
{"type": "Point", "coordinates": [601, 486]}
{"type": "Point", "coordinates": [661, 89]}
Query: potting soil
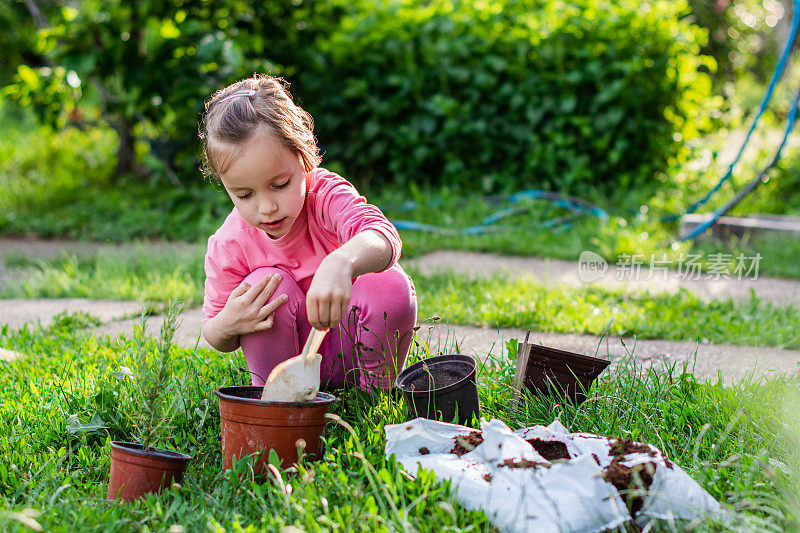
{"type": "Point", "coordinates": [443, 377]}
{"type": "Point", "coordinates": [547, 479]}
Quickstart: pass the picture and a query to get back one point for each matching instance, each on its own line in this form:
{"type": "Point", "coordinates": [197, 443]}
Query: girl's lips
{"type": "Point", "coordinates": [274, 225]}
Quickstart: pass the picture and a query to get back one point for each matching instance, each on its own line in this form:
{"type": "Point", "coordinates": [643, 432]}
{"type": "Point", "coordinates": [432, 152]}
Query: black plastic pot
{"type": "Point", "coordinates": [552, 371]}
{"type": "Point", "coordinates": [436, 388]}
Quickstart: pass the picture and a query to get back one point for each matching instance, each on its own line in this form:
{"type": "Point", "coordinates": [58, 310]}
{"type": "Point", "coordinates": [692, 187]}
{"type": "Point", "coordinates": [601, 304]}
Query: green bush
{"type": "Point", "coordinates": [42, 169]}
{"type": "Point", "coordinates": [60, 184]}
{"type": "Point", "coordinates": [145, 68]}
{"type": "Point", "coordinates": [507, 94]}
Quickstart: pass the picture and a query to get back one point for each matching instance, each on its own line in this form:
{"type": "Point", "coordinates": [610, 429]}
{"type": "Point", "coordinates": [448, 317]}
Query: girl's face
{"type": "Point", "coordinates": [267, 184]}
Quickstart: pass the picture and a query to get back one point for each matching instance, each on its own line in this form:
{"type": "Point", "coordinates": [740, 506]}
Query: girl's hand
{"type": "Point", "coordinates": [328, 297]}
{"type": "Point", "coordinates": [247, 310]}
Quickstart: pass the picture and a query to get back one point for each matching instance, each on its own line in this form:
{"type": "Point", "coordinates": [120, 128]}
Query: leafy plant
{"type": "Point", "coordinates": [150, 396]}
{"type": "Point", "coordinates": [144, 69]}
{"type": "Point", "coordinates": [494, 95]}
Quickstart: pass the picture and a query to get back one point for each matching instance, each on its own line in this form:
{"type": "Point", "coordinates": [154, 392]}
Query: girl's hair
{"type": "Point", "coordinates": [266, 105]}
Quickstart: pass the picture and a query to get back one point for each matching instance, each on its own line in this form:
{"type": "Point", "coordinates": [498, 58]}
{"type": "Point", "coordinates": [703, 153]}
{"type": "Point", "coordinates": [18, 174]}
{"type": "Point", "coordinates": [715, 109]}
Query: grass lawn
{"type": "Point", "coordinates": [738, 441]}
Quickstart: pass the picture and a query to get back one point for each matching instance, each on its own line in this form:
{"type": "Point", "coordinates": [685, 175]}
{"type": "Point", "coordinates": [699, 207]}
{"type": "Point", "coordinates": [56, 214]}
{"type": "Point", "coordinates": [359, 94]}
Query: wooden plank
{"type": "Point", "coordinates": [724, 227]}
{"type": "Point", "coordinates": [523, 353]}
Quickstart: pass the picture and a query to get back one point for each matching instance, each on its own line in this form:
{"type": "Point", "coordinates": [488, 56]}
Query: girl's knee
{"type": "Point", "coordinates": [287, 286]}
{"type": "Point", "coordinates": [390, 294]}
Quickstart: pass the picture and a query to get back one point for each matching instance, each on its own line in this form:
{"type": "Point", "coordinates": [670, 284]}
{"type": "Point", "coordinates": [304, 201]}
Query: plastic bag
{"type": "Point", "coordinates": [547, 479]}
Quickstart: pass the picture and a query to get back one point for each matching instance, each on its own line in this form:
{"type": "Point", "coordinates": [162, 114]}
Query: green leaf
{"type": "Point", "coordinates": [273, 459]}
{"type": "Point", "coordinates": [168, 30]}
{"type": "Point", "coordinates": [29, 76]}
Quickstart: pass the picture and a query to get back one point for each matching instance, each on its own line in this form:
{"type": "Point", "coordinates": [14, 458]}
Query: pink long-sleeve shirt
{"type": "Point", "coordinates": [333, 213]}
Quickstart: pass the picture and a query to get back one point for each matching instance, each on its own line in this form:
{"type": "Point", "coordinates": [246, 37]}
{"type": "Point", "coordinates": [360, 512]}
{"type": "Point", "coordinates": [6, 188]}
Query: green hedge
{"type": "Point", "coordinates": [506, 94]}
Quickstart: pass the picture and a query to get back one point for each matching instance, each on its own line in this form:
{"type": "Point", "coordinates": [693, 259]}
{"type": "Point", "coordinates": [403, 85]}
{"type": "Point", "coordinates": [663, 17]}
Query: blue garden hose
{"type": "Point", "coordinates": [574, 205]}
{"type": "Point", "coordinates": [776, 75]}
{"type": "Point", "coordinates": [790, 120]}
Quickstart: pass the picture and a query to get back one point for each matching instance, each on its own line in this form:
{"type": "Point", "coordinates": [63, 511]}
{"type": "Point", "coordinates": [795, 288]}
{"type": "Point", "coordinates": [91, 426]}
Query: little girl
{"type": "Point", "coordinates": [300, 248]}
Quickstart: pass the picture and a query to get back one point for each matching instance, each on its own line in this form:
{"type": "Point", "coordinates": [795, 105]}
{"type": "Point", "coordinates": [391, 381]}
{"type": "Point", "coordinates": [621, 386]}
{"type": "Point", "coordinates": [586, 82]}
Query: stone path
{"type": "Point", "coordinates": [17, 312]}
{"type": "Point", "coordinates": [547, 271]}
{"type": "Point", "coordinates": [11, 248]}
{"type": "Point", "coordinates": [707, 360]}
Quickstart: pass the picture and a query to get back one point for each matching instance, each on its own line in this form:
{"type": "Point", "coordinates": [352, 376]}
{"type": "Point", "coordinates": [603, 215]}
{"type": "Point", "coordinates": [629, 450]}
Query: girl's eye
{"type": "Point", "coordinates": [282, 185]}
{"type": "Point", "coordinates": [244, 196]}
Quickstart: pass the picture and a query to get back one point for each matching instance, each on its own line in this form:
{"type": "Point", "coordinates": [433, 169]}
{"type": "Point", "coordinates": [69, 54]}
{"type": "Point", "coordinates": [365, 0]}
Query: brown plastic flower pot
{"type": "Point", "coordinates": [550, 370]}
{"type": "Point", "coordinates": [251, 426]}
{"type": "Point", "coordinates": [441, 386]}
{"type": "Point", "coordinates": [135, 472]}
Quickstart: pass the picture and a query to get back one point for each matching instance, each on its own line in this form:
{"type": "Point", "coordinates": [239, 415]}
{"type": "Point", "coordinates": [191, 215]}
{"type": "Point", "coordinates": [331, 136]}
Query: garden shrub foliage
{"type": "Point", "coordinates": [515, 92]}
{"type": "Point", "coordinates": [480, 95]}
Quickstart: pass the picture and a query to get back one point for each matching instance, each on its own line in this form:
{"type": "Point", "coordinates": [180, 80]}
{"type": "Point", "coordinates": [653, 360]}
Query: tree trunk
{"type": "Point", "coordinates": [126, 157]}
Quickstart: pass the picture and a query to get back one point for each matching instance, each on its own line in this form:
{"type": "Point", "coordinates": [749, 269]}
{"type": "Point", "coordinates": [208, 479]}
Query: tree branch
{"type": "Point", "coordinates": [36, 13]}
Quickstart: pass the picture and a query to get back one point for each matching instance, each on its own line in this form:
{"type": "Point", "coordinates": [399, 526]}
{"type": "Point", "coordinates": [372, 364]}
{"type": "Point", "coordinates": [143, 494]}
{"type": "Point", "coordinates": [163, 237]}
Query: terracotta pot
{"type": "Point", "coordinates": [439, 386]}
{"type": "Point", "coordinates": [250, 426]}
{"type": "Point", "coordinates": [135, 472]}
{"type": "Point", "coordinates": [572, 373]}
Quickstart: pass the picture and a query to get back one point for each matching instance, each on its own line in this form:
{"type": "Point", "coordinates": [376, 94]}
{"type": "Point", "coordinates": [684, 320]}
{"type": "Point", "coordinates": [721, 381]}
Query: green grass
{"type": "Point", "coordinates": [732, 439]}
{"type": "Point", "coordinates": [779, 253]}
{"type": "Point", "coordinates": [639, 233]}
{"type": "Point", "coordinates": [139, 272]}
{"type": "Point", "coordinates": [523, 303]}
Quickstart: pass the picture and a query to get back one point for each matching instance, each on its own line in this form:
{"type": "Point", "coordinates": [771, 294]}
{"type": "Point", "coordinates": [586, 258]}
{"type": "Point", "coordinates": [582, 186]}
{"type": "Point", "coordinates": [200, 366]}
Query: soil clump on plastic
{"type": "Point", "coordinates": [424, 451]}
{"type": "Point", "coordinates": [630, 481]}
{"type": "Point", "coordinates": [552, 450]}
{"type": "Point", "coordinates": [521, 463]}
{"type": "Point", "coordinates": [620, 447]}
{"type": "Point", "coordinates": [466, 443]}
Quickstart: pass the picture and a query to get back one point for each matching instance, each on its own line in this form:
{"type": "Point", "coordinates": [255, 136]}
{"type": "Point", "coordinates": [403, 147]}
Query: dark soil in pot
{"type": "Point", "coordinates": [135, 472]}
{"type": "Point", "coordinates": [250, 426]}
{"type": "Point", "coordinates": [438, 387]}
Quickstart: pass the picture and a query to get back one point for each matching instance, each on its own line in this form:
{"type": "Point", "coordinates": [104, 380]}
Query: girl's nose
{"type": "Point", "coordinates": [267, 206]}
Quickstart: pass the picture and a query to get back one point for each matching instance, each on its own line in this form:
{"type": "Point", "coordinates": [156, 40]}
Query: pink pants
{"type": "Point", "coordinates": [368, 349]}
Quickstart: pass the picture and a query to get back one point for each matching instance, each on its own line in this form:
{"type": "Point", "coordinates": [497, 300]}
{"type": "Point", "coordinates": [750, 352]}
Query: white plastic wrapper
{"type": "Point", "coordinates": [501, 472]}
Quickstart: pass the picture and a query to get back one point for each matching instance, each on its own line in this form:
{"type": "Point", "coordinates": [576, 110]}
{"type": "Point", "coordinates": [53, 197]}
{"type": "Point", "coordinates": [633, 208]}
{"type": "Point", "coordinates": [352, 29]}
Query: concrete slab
{"type": "Point", "coordinates": [9, 355]}
{"type": "Point", "coordinates": [188, 334]}
{"type": "Point", "coordinates": [11, 248]}
{"type": "Point", "coordinates": [755, 224]}
{"type": "Point", "coordinates": [556, 271]}
{"type": "Point", "coordinates": [17, 312]}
